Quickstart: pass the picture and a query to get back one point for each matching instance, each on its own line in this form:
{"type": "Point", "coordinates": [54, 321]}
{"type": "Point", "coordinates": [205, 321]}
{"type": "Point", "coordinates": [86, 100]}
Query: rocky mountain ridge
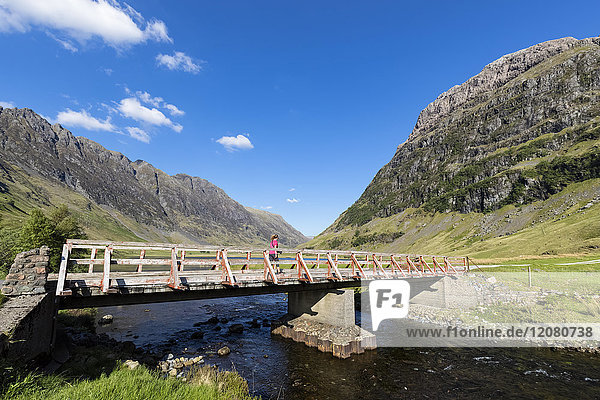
{"type": "Point", "coordinates": [179, 206]}
{"type": "Point", "coordinates": [521, 131]}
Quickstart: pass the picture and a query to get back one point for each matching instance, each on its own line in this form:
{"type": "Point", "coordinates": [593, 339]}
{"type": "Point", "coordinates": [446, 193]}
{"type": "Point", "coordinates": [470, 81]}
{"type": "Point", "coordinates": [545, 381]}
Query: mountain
{"type": "Point", "coordinates": [503, 165]}
{"type": "Point", "coordinates": [43, 165]}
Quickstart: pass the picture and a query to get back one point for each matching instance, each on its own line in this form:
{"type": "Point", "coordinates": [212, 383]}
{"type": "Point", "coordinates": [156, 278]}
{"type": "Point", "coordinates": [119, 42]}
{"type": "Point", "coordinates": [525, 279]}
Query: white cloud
{"type": "Point", "coordinates": [159, 102]}
{"type": "Point", "coordinates": [138, 134]}
{"type": "Point", "coordinates": [266, 207]}
{"type": "Point", "coordinates": [178, 61]}
{"type": "Point", "coordinates": [176, 112]}
{"type": "Point", "coordinates": [148, 99]}
{"type": "Point", "coordinates": [292, 200]}
{"type": "Point", "coordinates": [131, 108]}
{"type": "Point", "coordinates": [7, 104]}
{"type": "Point", "coordinates": [232, 143]}
{"type": "Point", "coordinates": [107, 71]}
{"type": "Point", "coordinates": [117, 24]}
{"type": "Point", "coordinates": [64, 43]}
{"type": "Point", "coordinates": [84, 120]}
{"type": "Point", "coordinates": [292, 189]}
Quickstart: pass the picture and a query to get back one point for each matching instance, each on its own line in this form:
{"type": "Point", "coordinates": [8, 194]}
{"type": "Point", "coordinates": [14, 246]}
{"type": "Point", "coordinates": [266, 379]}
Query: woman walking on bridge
{"type": "Point", "coordinates": [274, 254]}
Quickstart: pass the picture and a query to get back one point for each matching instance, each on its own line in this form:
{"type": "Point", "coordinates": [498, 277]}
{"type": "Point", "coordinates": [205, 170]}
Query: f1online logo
{"type": "Point", "coordinates": [389, 300]}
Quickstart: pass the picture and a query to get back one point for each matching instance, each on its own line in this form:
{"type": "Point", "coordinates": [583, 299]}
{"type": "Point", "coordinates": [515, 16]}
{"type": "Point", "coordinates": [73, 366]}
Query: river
{"type": "Point", "coordinates": [277, 368]}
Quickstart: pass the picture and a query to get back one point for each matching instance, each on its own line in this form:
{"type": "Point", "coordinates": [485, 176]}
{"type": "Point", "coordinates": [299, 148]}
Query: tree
{"type": "Point", "coordinates": [52, 231]}
{"type": "Point", "coordinates": [9, 247]}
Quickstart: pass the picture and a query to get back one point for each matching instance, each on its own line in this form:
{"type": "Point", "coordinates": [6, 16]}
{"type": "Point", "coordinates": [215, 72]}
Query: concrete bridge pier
{"type": "Point", "coordinates": [325, 320]}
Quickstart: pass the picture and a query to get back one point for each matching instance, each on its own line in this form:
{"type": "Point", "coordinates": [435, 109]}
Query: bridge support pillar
{"type": "Point", "coordinates": [325, 320]}
{"type": "Point", "coordinates": [334, 307]}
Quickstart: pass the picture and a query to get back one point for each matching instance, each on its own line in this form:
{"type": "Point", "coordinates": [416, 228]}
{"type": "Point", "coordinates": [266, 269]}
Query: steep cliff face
{"type": "Point", "coordinates": [517, 134]}
{"type": "Point", "coordinates": [180, 206]}
{"type": "Point", "coordinates": [498, 138]}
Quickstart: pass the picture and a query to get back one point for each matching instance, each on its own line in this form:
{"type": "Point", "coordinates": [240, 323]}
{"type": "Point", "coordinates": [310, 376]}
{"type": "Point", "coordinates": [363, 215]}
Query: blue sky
{"type": "Point", "coordinates": [289, 106]}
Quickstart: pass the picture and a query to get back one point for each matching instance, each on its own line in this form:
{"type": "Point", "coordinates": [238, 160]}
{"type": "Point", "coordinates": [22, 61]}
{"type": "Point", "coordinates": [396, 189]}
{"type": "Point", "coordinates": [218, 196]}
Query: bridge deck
{"type": "Point", "coordinates": [195, 272]}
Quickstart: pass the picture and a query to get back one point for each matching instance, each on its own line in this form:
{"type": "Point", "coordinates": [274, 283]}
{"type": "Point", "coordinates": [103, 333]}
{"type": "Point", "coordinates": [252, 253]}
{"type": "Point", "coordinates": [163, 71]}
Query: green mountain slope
{"type": "Point", "coordinates": [117, 199]}
{"type": "Point", "coordinates": [497, 166]}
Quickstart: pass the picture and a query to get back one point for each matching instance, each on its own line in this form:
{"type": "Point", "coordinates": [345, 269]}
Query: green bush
{"type": "Point", "coordinates": [374, 238]}
{"type": "Point", "coordinates": [39, 230]}
{"type": "Point", "coordinates": [9, 247]}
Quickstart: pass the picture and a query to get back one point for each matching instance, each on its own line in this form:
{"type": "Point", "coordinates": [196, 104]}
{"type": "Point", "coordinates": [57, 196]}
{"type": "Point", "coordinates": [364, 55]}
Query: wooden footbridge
{"type": "Point", "coordinates": [101, 273]}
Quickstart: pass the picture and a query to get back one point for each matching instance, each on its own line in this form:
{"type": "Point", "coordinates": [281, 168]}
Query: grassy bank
{"type": "Point", "coordinates": [96, 372]}
{"type": "Point", "coordinates": [123, 383]}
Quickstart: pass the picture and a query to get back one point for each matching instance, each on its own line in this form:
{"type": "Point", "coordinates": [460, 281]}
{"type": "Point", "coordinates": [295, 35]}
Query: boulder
{"type": "Point", "coordinates": [131, 364]}
{"type": "Point", "coordinates": [106, 319]}
{"type": "Point", "coordinates": [236, 328]}
{"type": "Point", "coordinates": [197, 335]}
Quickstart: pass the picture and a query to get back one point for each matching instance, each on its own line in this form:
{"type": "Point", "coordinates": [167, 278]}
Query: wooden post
{"type": "Point", "coordinates": [269, 272]}
{"type": "Point", "coordinates": [397, 265]}
{"type": "Point", "coordinates": [182, 260]}
{"type": "Point", "coordinates": [302, 267]}
{"type": "Point", "coordinates": [318, 260]}
{"type": "Point", "coordinates": [413, 266]}
{"type": "Point", "coordinates": [142, 255]}
{"type": "Point", "coordinates": [529, 274]}
{"type": "Point", "coordinates": [92, 257]}
{"type": "Point", "coordinates": [247, 265]}
{"type": "Point", "coordinates": [62, 272]}
{"type": "Point", "coordinates": [105, 285]}
{"type": "Point", "coordinates": [356, 265]}
{"type": "Point", "coordinates": [376, 265]}
{"type": "Point", "coordinates": [174, 276]}
{"type": "Point", "coordinates": [331, 265]}
{"type": "Point", "coordinates": [449, 266]}
{"type": "Point", "coordinates": [425, 264]}
{"type": "Point", "coordinates": [226, 275]}
{"type": "Point", "coordinates": [437, 265]}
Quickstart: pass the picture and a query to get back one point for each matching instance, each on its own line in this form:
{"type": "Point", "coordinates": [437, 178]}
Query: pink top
{"type": "Point", "coordinates": [274, 245]}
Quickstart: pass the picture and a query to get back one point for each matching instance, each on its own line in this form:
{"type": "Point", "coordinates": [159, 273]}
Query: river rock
{"type": "Point", "coordinates": [223, 351]}
{"type": "Point", "coordinates": [236, 328]}
{"type": "Point", "coordinates": [254, 323]}
{"type": "Point", "coordinates": [173, 373]}
{"type": "Point", "coordinates": [128, 347]}
{"type": "Point", "coordinates": [491, 279]}
{"type": "Point", "coordinates": [212, 320]}
{"type": "Point", "coordinates": [197, 335]}
{"type": "Point", "coordinates": [177, 364]}
{"type": "Point", "coordinates": [106, 319]}
{"type": "Point", "coordinates": [131, 364]}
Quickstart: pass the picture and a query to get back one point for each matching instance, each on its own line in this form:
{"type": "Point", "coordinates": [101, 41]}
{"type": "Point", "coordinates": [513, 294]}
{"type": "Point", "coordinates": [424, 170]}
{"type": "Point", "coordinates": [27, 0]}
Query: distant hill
{"type": "Point", "coordinates": [43, 165]}
{"type": "Point", "coordinates": [505, 164]}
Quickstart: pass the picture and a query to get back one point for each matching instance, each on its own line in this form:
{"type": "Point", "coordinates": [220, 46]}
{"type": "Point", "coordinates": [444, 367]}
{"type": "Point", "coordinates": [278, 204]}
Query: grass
{"type": "Point", "coordinates": [553, 308]}
{"type": "Point", "coordinates": [80, 319]}
{"type": "Point", "coordinates": [123, 383]}
{"type": "Point", "coordinates": [92, 373]}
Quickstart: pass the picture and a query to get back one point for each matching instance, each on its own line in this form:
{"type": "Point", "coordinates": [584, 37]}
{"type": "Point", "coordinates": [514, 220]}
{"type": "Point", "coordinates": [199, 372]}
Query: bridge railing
{"type": "Point", "coordinates": [102, 261]}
